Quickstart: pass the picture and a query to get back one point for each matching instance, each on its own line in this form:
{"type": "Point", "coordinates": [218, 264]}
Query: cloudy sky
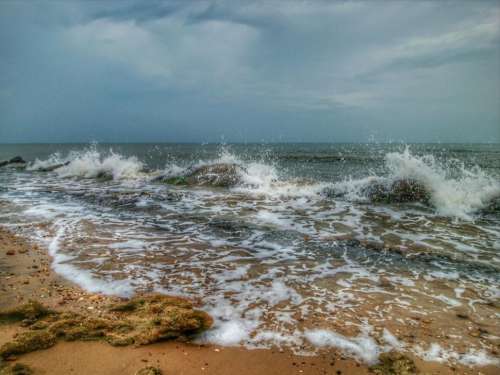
{"type": "Point", "coordinates": [249, 71]}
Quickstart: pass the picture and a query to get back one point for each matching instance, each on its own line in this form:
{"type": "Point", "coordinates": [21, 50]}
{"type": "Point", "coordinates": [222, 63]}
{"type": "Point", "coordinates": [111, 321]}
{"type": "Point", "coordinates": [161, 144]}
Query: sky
{"type": "Point", "coordinates": [249, 71]}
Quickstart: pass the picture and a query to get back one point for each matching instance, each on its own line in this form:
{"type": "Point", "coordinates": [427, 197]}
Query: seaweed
{"type": "Point", "coordinates": [28, 342]}
{"type": "Point", "coordinates": [149, 370]}
{"type": "Point", "coordinates": [394, 363]}
{"type": "Point", "coordinates": [16, 369]}
{"type": "Point", "coordinates": [31, 311]}
{"type": "Point", "coordinates": [139, 321]}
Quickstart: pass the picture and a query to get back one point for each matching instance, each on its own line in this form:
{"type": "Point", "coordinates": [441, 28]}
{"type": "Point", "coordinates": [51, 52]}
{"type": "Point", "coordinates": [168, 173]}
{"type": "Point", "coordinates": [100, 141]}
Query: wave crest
{"type": "Point", "coordinates": [90, 164]}
{"type": "Point", "coordinates": [452, 189]}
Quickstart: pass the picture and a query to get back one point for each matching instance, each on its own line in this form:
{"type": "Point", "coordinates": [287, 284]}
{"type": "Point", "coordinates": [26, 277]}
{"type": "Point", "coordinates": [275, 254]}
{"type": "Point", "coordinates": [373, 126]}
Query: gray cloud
{"type": "Point", "coordinates": [249, 71]}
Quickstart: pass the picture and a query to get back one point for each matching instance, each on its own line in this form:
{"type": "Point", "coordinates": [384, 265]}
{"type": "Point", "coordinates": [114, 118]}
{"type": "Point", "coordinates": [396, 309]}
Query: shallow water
{"type": "Point", "coordinates": [295, 254]}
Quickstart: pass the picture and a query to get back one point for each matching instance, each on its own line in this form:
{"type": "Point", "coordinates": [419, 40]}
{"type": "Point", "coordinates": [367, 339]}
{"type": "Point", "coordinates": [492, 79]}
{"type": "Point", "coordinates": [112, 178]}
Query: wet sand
{"type": "Point", "coordinates": [25, 274]}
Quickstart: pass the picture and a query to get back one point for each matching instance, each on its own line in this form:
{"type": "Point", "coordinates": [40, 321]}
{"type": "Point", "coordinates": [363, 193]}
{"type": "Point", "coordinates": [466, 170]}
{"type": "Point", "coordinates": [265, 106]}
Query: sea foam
{"type": "Point", "coordinates": [455, 190]}
{"type": "Point", "coordinates": [91, 164]}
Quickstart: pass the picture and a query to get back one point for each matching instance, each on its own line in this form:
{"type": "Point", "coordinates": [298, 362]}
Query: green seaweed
{"type": "Point", "coordinates": [176, 181]}
{"type": "Point", "coordinates": [394, 363]}
{"type": "Point", "coordinates": [28, 342]}
{"type": "Point", "coordinates": [149, 370]}
{"type": "Point", "coordinates": [16, 369]}
{"type": "Point", "coordinates": [31, 311]}
{"type": "Point", "coordinates": [139, 321]}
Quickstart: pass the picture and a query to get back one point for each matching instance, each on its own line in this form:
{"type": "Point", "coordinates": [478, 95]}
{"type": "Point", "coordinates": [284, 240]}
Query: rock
{"type": "Point", "coordinates": [394, 363]}
{"type": "Point", "coordinates": [140, 321]}
{"type": "Point", "coordinates": [399, 191]}
{"type": "Point", "coordinates": [28, 342]}
{"type": "Point", "coordinates": [16, 161]}
{"type": "Point", "coordinates": [31, 310]}
{"type": "Point", "coordinates": [217, 175]}
{"type": "Point", "coordinates": [16, 369]}
{"type": "Point", "coordinates": [10, 252]}
{"type": "Point", "coordinates": [493, 207]}
{"type": "Point", "coordinates": [52, 167]}
{"type": "Point", "coordinates": [149, 370]}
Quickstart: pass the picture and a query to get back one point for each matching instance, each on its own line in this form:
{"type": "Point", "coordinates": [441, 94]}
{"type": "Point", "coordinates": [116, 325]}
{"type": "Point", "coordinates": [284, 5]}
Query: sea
{"type": "Point", "coordinates": [364, 248]}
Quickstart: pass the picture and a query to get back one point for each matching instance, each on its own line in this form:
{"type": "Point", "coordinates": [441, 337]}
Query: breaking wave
{"type": "Point", "coordinates": [91, 164]}
{"type": "Point", "coordinates": [453, 189]}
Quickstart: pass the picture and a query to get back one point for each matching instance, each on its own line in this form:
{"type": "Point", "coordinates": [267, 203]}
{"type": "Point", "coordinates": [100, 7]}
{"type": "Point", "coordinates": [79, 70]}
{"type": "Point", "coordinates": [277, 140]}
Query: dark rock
{"type": "Point", "coordinates": [493, 207]}
{"type": "Point", "coordinates": [104, 176]}
{"type": "Point", "coordinates": [52, 167]}
{"type": "Point", "coordinates": [150, 370]}
{"type": "Point", "coordinates": [400, 191]}
{"type": "Point", "coordinates": [394, 363]}
{"type": "Point", "coordinates": [217, 175]}
{"type": "Point", "coordinates": [16, 161]}
{"type": "Point", "coordinates": [15, 369]}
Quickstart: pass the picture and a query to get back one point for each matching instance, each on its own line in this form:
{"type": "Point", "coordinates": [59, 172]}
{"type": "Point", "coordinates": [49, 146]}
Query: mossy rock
{"type": "Point", "coordinates": [139, 321]}
{"type": "Point", "coordinates": [394, 363]}
{"type": "Point", "coordinates": [149, 370]}
{"type": "Point", "coordinates": [176, 181]}
{"type": "Point", "coordinates": [16, 369]}
{"type": "Point", "coordinates": [158, 318]}
{"type": "Point", "coordinates": [399, 191]}
{"type": "Point", "coordinates": [215, 175]}
{"type": "Point", "coordinates": [31, 311]}
{"type": "Point", "coordinates": [28, 342]}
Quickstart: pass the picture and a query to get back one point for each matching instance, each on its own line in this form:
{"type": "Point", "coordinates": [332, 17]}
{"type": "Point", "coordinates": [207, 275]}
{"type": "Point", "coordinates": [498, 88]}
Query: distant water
{"type": "Point", "coordinates": [298, 252]}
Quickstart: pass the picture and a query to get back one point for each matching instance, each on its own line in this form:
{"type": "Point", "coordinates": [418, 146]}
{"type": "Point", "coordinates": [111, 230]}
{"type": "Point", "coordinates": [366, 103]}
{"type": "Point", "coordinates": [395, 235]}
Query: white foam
{"type": "Point", "coordinates": [478, 358]}
{"type": "Point", "coordinates": [229, 333]}
{"type": "Point", "coordinates": [474, 357]}
{"type": "Point", "coordinates": [52, 160]}
{"type": "Point", "coordinates": [455, 191]}
{"type": "Point", "coordinates": [391, 340]}
{"type": "Point", "coordinates": [83, 277]}
{"type": "Point", "coordinates": [362, 347]}
{"type": "Point", "coordinates": [449, 301]}
{"type": "Point", "coordinates": [135, 245]}
{"type": "Point", "coordinates": [91, 164]}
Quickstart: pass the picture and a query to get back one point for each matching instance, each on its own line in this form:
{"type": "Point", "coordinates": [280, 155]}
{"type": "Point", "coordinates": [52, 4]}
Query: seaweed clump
{"type": "Point", "coordinates": [16, 369]}
{"type": "Point", "coordinates": [394, 363]}
{"type": "Point", "coordinates": [149, 370]}
{"type": "Point", "coordinates": [139, 321]}
{"type": "Point", "coordinates": [29, 312]}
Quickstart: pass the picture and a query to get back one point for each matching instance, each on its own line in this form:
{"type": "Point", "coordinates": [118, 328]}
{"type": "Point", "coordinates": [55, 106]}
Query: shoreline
{"type": "Point", "coordinates": [26, 274]}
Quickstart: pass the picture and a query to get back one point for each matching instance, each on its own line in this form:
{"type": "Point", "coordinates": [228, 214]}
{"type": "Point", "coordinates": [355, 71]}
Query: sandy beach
{"type": "Point", "coordinates": [26, 274]}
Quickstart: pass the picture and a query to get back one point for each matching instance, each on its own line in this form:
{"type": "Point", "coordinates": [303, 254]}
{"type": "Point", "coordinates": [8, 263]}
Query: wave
{"type": "Point", "coordinates": [52, 163]}
{"type": "Point", "coordinates": [452, 189]}
{"type": "Point", "coordinates": [240, 176]}
{"type": "Point", "coordinates": [90, 163]}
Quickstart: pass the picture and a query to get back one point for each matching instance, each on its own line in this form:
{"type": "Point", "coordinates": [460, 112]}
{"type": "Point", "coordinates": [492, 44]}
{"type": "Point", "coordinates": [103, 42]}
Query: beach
{"type": "Point", "coordinates": [249, 187]}
{"type": "Point", "coordinates": [315, 259]}
{"type": "Point", "coordinates": [26, 274]}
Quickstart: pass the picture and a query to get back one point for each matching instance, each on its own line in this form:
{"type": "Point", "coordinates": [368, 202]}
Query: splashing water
{"type": "Point", "coordinates": [275, 260]}
{"type": "Point", "coordinates": [91, 164]}
{"type": "Point", "coordinates": [455, 191]}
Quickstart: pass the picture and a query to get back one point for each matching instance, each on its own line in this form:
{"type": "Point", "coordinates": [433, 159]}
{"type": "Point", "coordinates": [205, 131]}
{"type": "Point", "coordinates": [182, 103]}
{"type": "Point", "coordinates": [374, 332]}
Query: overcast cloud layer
{"type": "Point", "coordinates": [249, 71]}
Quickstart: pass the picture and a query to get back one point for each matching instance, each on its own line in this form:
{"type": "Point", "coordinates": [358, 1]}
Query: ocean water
{"type": "Point", "coordinates": [309, 247]}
